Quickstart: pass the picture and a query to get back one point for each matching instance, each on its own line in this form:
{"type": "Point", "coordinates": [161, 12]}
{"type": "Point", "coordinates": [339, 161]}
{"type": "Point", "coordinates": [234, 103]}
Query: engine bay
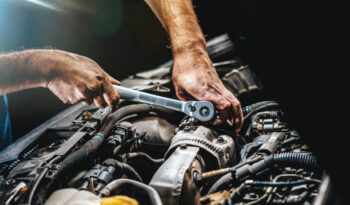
{"type": "Point", "coordinates": [145, 154]}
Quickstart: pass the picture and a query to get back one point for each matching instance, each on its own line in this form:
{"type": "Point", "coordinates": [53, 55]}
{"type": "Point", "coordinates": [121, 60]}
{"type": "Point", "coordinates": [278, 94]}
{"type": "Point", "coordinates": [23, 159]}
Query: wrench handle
{"type": "Point", "coordinates": [137, 96]}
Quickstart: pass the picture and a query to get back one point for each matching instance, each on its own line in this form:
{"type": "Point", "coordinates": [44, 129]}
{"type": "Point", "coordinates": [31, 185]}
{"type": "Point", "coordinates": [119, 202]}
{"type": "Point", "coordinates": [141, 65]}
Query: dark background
{"type": "Point", "coordinates": [296, 48]}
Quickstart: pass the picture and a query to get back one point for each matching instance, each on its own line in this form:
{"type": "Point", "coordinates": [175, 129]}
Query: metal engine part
{"type": "Point", "coordinates": [193, 150]}
{"type": "Point", "coordinates": [220, 148]}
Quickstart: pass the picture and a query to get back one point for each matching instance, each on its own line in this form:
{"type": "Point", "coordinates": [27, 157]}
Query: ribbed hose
{"type": "Point", "coordinates": [295, 159]}
{"type": "Point", "coordinates": [282, 159]}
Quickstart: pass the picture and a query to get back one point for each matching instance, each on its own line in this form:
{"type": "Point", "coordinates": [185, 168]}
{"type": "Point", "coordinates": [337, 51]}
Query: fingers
{"type": "Point", "coordinates": [113, 80]}
{"type": "Point", "coordinates": [220, 103]}
{"type": "Point", "coordinates": [224, 101]}
{"type": "Point", "coordinates": [100, 91]}
{"type": "Point", "coordinates": [183, 95]}
{"type": "Point", "coordinates": [224, 107]}
{"type": "Point", "coordinates": [100, 102]}
{"type": "Point", "coordinates": [105, 95]}
{"type": "Point", "coordinates": [110, 95]}
{"type": "Point", "coordinates": [237, 114]}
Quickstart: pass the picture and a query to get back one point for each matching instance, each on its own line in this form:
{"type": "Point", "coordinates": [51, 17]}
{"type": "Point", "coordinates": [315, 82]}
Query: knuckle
{"type": "Point", "coordinates": [226, 105]}
{"type": "Point", "coordinates": [236, 103]}
{"type": "Point", "coordinates": [73, 101]}
{"type": "Point", "coordinates": [95, 86]}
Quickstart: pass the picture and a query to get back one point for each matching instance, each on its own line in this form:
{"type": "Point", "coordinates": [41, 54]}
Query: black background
{"type": "Point", "coordinates": [296, 48]}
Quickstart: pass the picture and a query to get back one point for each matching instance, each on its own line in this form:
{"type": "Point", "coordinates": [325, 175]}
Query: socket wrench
{"type": "Point", "coordinates": [201, 110]}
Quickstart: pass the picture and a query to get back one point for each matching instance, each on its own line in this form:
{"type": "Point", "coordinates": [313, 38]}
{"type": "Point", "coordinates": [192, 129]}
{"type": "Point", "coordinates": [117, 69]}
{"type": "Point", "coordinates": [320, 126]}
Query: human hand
{"type": "Point", "coordinates": [195, 78]}
{"type": "Point", "coordinates": [74, 78]}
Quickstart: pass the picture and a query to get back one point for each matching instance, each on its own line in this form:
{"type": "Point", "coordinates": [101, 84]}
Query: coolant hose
{"type": "Point", "coordinates": [283, 159]}
{"type": "Point", "coordinates": [114, 185]}
{"type": "Point", "coordinates": [123, 168]}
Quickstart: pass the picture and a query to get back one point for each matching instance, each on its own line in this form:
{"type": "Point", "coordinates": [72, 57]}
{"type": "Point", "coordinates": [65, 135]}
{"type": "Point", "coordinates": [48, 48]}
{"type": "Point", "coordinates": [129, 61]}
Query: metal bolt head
{"type": "Point", "coordinates": [10, 181]}
{"type": "Point", "coordinates": [204, 111]}
{"type": "Point", "coordinates": [220, 139]}
{"type": "Point", "coordinates": [187, 128]}
{"type": "Point", "coordinates": [183, 146]}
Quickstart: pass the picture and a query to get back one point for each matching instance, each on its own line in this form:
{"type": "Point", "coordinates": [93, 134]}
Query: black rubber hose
{"type": "Point", "coordinates": [257, 107]}
{"type": "Point", "coordinates": [254, 106]}
{"type": "Point", "coordinates": [283, 159]}
{"type": "Point", "coordinates": [112, 187]}
{"type": "Point", "coordinates": [222, 182]}
{"type": "Point", "coordinates": [123, 168]}
{"type": "Point", "coordinates": [64, 129]}
{"type": "Point", "coordinates": [93, 144]}
{"type": "Point", "coordinates": [295, 159]}
{"type": "Point", "coordinates": [240, 172]}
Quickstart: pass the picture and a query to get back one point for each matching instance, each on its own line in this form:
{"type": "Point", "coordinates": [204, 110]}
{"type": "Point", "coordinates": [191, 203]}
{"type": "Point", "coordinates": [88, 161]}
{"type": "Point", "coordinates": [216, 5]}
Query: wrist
{"type": "Point", "coordinates": [188, 45]}
{"type": "Point", "coordinates": [43, 66]}
{"type": "Point", "coordinates": [191, 57]}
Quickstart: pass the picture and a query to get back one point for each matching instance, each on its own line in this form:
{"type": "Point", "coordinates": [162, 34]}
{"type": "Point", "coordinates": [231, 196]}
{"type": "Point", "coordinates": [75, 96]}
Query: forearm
{"type": "Point", "coordinates": [180, 21]}
{"type": "Point", "coordinates": [26, 69]}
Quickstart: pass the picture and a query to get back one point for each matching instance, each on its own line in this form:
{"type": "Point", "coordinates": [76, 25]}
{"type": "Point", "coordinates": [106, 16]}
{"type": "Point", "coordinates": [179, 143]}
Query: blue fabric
{"type": "Point", "coordinates": [5, 125]}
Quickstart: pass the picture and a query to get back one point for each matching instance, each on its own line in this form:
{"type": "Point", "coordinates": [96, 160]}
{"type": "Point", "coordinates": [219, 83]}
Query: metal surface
{"type": "Point", "coordinates": [169, 178]}
{"type": "Point", "coordinates": [221, 148]}
{"type": "Point", "coordinates": [116, 186]}
{"type": "Point", "coordinates": [202, 110]}
{"type": "Point", "coordinates": [157, 129]}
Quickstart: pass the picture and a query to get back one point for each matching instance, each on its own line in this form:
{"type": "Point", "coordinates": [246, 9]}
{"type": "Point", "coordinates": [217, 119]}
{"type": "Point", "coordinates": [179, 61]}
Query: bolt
{"type": "Point", "coordinates": [183, 146]}
{"type": "Point", "coordinates": [10, 181]}
{"type": "Point", "coordinates": [187, 128]}
{"type": "Point", "coordinates": [193, 108]}
{"type": "Point", "coordinates": [197, 178]}
{"type": "Point", "coordinates": [220, 139]}
{"type": "Point", "coordinates": [204, 111]}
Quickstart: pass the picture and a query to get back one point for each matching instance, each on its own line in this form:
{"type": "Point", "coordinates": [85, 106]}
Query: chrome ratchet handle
{"type": "Point", "coordinates": [201, 110]}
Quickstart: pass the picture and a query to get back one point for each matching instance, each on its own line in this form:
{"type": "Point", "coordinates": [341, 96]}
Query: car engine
{"type": "Point", "coordinates": [144, 154]}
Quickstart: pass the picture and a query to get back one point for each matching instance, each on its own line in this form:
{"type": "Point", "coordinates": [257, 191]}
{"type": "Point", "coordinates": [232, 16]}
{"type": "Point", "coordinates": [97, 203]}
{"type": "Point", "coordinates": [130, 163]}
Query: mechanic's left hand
{"type": "Point", "coordinates": [195, 78]}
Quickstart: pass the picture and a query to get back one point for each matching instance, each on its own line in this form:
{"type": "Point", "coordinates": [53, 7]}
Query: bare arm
{"type": "Point", "coordinates": [71, 77]}
{"type": "Point", "coordinates": [194, 76]}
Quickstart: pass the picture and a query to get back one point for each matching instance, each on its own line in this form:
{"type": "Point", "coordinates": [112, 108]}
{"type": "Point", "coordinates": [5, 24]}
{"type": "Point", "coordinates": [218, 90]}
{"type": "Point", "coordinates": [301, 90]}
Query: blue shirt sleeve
{"type": "Point", "coordinates": [5, 125]}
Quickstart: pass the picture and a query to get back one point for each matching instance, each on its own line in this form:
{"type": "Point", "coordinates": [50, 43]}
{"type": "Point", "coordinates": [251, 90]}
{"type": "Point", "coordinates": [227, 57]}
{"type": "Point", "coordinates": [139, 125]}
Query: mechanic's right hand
{"type": "Point", "coordinates": [76, 78]}
{"type": "Point", "coordinates": [195, 78]}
